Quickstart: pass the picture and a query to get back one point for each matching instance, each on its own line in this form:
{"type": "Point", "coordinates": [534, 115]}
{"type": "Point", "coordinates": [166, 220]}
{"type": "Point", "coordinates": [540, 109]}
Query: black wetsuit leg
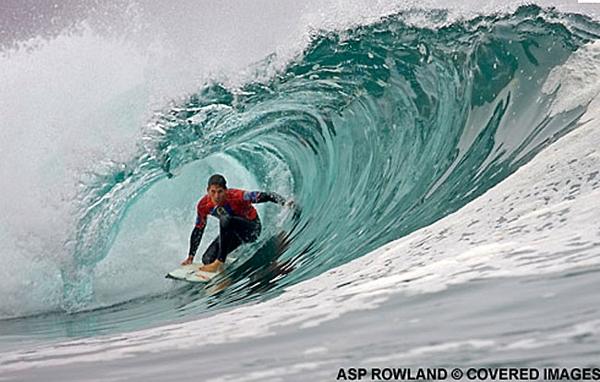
{"type": "Point", "coordinates": [233, 231]}
{"type": "Point", "coordinates": [212, 252]}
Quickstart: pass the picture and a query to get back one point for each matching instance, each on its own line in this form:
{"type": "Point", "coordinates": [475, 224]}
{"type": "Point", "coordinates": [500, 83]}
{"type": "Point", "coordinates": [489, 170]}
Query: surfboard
{"type": "Point", "coordinates": [191, 273]}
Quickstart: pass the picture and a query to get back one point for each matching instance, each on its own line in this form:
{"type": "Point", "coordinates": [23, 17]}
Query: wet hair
{"type": "Point", "coordinates": [218, 180]}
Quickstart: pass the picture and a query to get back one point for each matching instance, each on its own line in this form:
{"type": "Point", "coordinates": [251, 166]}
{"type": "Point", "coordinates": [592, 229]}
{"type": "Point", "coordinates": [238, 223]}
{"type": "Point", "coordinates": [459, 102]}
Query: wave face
{"type": "Point", "coordinates": [375, 131]}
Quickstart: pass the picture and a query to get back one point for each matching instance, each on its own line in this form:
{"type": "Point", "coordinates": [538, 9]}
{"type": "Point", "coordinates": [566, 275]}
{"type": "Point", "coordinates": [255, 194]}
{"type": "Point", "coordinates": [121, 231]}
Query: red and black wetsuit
{"type": "Point", "coordinates": [238, 222]}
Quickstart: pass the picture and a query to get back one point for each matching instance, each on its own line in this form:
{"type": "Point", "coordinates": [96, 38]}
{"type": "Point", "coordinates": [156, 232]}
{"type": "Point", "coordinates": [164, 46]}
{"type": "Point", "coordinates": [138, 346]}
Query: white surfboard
{"type": "Point", "coordinates": [192, 274]}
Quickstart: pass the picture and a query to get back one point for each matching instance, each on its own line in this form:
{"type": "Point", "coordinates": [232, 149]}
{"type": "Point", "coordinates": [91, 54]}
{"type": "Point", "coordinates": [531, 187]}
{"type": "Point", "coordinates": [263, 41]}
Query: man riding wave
{"type": "Point", "coordinates": [238, 220]}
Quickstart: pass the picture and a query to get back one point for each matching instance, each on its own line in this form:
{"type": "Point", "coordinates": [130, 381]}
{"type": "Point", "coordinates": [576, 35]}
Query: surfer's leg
{"type": "Point", "coordinates": [229, 238]}
{"type": "Point", "coordinates": [233, 231]}
{"type": "Point", "coordinates": [247, 230]}
{"type": "Point", "coordinates": [229, 242]}
{"type": "Point", "coordinates": [212, 252]}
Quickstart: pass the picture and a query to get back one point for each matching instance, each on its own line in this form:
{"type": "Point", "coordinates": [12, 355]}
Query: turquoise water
{"type": "Point", "coordinates": [376, 131]}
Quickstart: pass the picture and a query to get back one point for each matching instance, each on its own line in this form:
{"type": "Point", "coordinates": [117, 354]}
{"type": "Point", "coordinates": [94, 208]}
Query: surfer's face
{"type": "Point", "coordinates": [216, 193]}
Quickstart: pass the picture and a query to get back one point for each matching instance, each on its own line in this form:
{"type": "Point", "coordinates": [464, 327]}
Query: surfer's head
{"type": "Point", "coordinates": [217, 185]}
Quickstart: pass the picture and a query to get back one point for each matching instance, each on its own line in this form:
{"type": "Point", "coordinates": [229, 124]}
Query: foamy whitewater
{"type": "Point", "coordinates": [445, 157]}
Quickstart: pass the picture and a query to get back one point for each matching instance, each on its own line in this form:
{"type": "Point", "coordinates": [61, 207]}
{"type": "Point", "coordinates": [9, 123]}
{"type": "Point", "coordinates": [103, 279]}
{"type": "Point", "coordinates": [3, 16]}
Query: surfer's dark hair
{"type": "Point", "coordinates": [218, 180]}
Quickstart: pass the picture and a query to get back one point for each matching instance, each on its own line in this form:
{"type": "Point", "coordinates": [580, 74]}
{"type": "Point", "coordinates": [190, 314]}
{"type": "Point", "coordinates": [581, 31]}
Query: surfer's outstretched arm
{"type": "Point", "coordinates": [262, 197]}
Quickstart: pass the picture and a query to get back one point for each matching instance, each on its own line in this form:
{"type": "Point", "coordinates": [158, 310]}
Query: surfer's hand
{"type": "Point", "coordinates": [291, 204]}
{"type": "Point", "coordinates": [189, 260]}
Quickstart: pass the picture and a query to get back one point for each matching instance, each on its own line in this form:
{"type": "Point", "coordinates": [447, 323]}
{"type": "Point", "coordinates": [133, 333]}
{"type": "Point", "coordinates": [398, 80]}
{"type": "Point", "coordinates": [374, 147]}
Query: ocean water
{"type": "Point", "coordinates": [445, 157]}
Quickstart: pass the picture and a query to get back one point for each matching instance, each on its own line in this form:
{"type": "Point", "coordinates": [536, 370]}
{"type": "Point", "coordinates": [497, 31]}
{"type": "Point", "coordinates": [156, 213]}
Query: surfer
{"type": "Point", "coordinates": [238, 220]}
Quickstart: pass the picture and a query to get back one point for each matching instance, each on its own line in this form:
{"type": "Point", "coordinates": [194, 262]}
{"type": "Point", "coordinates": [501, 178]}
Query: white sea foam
{"type": "Point", "coordinates": [577, 82]}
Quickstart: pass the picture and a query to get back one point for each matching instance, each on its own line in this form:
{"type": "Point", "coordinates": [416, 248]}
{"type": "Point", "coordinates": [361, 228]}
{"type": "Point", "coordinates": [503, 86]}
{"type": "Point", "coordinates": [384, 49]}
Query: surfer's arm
{"type": "Point", "coordinates": [195, 240]}
{"type": "Point", "coordinates": [196, 236]}
{"type": "Point", "coordinates": [262, 197]}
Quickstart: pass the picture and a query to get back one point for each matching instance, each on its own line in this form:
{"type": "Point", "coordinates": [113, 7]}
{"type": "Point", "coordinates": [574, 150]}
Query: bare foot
{"type": "Point", "coordinates": [188, 261]}
{"type": "Point", "coordinates": [212, 267]}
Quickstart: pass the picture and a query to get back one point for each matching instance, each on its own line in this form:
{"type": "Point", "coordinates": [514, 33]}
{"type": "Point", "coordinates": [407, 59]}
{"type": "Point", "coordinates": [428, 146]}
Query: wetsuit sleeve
{"type": "Point", "coordinates": [262, 197]}
{"type": "Point", "coordinates": [198, 230]}
{"type": "Point", "coordinates": [195, 239]}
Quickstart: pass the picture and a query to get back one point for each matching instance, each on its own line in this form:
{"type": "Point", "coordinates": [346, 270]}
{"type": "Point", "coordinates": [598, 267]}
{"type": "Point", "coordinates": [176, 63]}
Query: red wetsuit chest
{"type": "Point", "coordinates": [235, 205]}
